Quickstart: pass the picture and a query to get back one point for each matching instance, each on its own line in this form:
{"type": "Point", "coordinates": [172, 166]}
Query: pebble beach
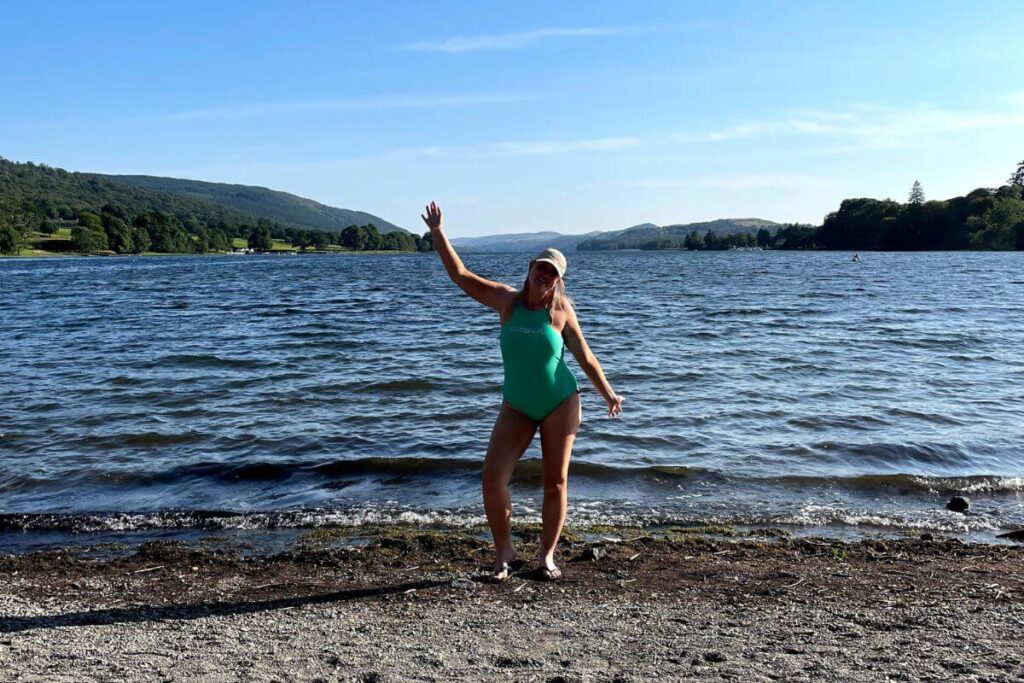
{"type": "Point", "coordinates": [415, 603]}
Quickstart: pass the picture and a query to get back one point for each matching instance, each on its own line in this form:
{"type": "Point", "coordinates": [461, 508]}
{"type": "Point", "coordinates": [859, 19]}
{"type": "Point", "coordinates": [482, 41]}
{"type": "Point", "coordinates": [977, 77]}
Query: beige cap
{"type": "Point", "coordinates": [555, 258]}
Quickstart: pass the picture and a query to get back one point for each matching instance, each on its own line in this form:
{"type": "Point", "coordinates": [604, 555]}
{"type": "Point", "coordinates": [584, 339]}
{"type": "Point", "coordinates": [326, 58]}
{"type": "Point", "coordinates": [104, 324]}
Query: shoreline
{"type": "Point", "coordinates": [409, 602]}
{"type": "Point", "coordinates": [275, 252]}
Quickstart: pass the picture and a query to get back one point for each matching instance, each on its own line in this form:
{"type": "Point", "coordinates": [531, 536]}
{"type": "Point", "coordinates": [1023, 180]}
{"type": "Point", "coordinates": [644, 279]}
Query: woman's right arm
{"type": "Point", "coordinates": [487, 292]}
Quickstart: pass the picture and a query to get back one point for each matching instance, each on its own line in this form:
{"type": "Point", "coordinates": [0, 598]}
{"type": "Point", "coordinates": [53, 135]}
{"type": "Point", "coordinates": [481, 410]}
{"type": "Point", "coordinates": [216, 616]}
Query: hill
{"type": "Point", "coordinates": [643, 236]}
{"type": "Point", "coordinates": [650, 236]}
{"type": "Point", "coordinates": [57, 193]}
{"type": "Point", "coordinates": [280, 207]}
{"type": "Point", "coordinates": [525, 242]}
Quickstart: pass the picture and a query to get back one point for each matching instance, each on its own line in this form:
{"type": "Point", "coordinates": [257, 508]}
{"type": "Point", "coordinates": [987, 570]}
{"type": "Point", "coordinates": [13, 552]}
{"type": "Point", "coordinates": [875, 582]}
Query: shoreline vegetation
{"type": "Point", "coordinates": [47, 212]}
{"type": "Point", "coordinates": [983, 220]}
{"type": "Point", "coordinates": [410, 602]}
{"type": "Point", "coordinates": [109, 235]}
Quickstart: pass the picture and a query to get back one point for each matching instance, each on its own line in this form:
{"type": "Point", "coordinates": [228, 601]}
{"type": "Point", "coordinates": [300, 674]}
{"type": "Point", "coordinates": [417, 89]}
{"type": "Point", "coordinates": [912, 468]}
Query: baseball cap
{"type": "Point", "coordinates": [555, 258]}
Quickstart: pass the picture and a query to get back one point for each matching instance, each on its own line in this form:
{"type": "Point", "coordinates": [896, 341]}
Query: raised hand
{"type": "Point", "coordinates": [433, 217]}
{"type": "Point", "coordinates": [615, 406]}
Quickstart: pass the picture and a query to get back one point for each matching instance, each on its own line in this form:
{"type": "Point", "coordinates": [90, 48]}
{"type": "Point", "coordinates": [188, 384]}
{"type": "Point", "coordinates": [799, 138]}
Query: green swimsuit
{"type": "Point", "coordinates": [537, 379]}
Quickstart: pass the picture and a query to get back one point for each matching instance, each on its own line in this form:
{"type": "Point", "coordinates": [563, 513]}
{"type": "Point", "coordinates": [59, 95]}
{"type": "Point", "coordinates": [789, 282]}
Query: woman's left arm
{"type": "Point", "coordinates": [578, 345]}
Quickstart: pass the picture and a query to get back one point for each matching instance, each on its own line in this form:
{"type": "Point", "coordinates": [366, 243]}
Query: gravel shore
{"type": "Point", "coordinates": [414, 604]}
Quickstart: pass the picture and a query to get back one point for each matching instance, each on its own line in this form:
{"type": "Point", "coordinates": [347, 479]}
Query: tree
{"type": "Point", "coordinates": [119, 235]}
{"type": "Point", "coordinates": [694, 240]}
{"type": "Point", "coordinates": [90, 221]}
{"type": "Point", "coordinates": [916, 194]}
{"type": "Point", "coordinates": [140, 240]}
{"type": "Point", "coordinates": [10, 240]}
{"type": "Point", "coordinates": [16, 221]}
{"type": "Point", "coordinates": [354, 237]}
{"type": "Point", "coordinates": [764, 238]}
{"type": "Point", "coordinates": [219, 241]}
{"type": "Point", "coordinates": [374, 240]}
{"type": "Point", "coordinates": [425, 243]}
{"type": "Point", "coordinates": [1017, 178]}
{"type": "Point", "coordinates": [85, 239]}
{"type": "Point", "coordinates": [259, 239]}
{"type": "Point", "coordinates": [319, 240]}
{"type": "Point", "coordinates": [165, 232]}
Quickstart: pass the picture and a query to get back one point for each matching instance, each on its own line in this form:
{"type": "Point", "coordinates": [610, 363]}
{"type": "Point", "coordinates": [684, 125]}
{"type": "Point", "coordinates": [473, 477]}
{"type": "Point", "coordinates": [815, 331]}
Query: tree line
{"type": "Point", "coordinates": [112, 229]}
{"type": "Point", "coordinates": [109, 216]}
{"type": "Point", "coordinates": [985, 219]}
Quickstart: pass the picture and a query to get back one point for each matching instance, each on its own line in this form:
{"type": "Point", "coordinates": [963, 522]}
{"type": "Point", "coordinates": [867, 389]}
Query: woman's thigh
{"type": "Point", "coordinates": [557, 435]}
{"type": "Point", "coordinates": [510, 438]}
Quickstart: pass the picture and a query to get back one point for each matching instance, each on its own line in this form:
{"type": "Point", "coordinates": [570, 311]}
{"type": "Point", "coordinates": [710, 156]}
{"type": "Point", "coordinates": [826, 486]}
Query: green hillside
{"type": "Point", "coordinates": [45, 210]}
{"type": "Point", "coordinates": [650, 236]}
{"type": "Point", "coordinates": [280, 207]}
{"type": "Point", "coordinates": [56, 193]}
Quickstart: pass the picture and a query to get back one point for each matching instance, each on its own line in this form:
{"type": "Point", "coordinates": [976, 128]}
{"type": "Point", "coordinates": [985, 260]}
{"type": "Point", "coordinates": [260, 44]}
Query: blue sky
{"type": "Point", "coordinates": [529, 115]}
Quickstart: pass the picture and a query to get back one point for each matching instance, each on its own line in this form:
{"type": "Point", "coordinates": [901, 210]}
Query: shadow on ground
{"type": "Point", "coordinates": [185, 612]}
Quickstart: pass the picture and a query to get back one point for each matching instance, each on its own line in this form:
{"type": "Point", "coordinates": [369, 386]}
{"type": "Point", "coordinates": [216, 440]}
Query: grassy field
{"type": "Point", "coordinates": [277, 245]}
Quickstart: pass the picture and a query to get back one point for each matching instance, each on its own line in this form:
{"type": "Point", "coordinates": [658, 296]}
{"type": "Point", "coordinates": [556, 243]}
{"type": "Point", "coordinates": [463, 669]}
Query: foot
{"type": "Point", "coordinates": [503, 567]}
{"type": "Point", "coordinates": [548, 571]}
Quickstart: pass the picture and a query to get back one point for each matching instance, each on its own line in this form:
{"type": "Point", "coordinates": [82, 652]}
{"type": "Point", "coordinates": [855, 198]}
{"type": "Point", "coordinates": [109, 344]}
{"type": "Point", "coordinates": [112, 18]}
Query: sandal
{"type": "Point", "coordinates": [549, 574]}
{"type": "Point", "coordinates": [502, 573]}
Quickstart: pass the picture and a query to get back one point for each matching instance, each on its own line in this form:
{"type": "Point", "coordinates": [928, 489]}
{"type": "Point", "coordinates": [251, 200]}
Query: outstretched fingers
{"type": "Point", "coordinates": [433, 215]}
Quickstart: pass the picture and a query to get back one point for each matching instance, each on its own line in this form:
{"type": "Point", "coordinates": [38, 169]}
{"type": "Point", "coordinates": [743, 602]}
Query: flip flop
{"type": "Point", "coordinates": [501, 574]}
{"type": "Point", "coordinates": [549, 574]}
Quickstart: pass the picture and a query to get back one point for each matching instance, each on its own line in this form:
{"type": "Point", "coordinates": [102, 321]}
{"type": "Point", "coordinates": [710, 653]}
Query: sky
{"type": "Point", "coordinates": [526, 116]}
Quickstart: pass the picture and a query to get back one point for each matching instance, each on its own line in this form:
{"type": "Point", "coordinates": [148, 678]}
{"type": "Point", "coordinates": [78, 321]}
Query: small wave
{"type": "Point", "coordinates": [935, 418]}
{"type": "Point", "coordinates": [141, 440]}
{"type": "Point", "coordinates": [825, 422]}
{"type": "Point", "coordinates": [401, 385]}
{"type": "Point", "coordinates": [831, 516]}
{"type": "Point", "coordinates": [945, 485]}
{"type": "Point", "coordinates": [913, 483]}
{"type": "Point", "coordinates": [205, 360]}
{"type": "Point", "coordinates": [901, 455]}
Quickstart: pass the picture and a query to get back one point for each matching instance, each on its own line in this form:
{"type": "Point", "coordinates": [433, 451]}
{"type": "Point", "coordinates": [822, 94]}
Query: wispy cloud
{"type": "Point", "coordinates": [239, 166]}
{"type": "Point", "coordinates": [874, 126]}
{"type": "Point", "coordinates": [267, 108]}
{"type": "Point", "coordinates": [521, 148]}
{"type": "Point", "coordinates": [521, 39]}
{"type": "Point", "coordinates": [733, 181]}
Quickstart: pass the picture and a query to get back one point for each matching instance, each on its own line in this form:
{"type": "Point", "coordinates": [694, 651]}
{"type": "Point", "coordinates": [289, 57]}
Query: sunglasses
{"type": "Point", "coordinates": [546, 268]}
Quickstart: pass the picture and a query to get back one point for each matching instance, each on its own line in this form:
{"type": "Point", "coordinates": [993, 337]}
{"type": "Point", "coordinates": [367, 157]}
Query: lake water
{"type": "Point", "coordinates": [767, 388]}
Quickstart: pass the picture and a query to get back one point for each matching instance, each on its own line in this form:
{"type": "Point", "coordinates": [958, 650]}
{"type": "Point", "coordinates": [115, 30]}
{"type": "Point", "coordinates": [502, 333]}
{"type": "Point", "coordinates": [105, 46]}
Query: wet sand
{"type": "Point", "coordinates": [414, 604]}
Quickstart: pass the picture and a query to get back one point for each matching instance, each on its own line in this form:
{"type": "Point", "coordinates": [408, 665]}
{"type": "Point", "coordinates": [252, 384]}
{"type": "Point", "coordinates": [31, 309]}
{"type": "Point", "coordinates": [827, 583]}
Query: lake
{"type": "Point", "coordinates": [798, 390]}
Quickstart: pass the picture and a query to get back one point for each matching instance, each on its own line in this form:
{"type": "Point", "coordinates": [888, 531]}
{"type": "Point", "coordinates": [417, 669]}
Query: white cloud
{"type": "Point", "coordinates": [235, 111]}
{"type": "Point", "coordinates": [510, 41]}
{"type": "Point", "coordinates": [874, 126]}
{"type": "Point", "coordinates": [735, 181]}
{"type": "Point", "coordinates": [521, 148]}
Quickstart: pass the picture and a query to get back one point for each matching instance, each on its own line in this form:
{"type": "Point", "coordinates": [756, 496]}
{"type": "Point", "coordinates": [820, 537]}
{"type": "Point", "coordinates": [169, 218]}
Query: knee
{"type": "Point", "coordinates": [555, 486]}
{"type": "Point", "coordinates": [493, 479]}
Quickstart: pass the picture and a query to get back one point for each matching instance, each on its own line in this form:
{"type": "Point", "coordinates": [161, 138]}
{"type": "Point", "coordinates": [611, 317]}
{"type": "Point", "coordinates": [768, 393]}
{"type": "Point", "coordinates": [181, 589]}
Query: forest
{"type": "Point", "coordinates": [50, 210]}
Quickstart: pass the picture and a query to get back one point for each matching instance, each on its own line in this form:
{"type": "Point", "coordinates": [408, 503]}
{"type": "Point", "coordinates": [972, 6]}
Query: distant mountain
{"type": "Point", "coordinates": [527, 241]}
{"type": "Point", "coordinates": [281, 207]}
{"type": "Point", "coordinates": [642, 236]}
{"type": "Point", "coordinates": [650, 236]}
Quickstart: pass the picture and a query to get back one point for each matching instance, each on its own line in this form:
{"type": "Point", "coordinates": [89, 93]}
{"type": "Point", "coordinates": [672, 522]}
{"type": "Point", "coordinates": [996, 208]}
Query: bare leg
{"type": "Point", "coordinates": [510, 438]}
{"type": "Point", "coordinates": [557, 434]}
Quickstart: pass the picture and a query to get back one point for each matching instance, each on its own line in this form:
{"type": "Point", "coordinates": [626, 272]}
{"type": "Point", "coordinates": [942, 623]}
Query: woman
{"type": "Point", "coordinates": [540, 391]}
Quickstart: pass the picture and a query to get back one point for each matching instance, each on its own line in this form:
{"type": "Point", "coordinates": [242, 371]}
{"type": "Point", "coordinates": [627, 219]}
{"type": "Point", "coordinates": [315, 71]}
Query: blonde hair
{"type": "Point", "coordinates": [559, 299]}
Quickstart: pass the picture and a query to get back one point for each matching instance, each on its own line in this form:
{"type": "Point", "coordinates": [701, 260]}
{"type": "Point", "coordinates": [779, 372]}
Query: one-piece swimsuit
{"type": "Point", "coordinates": [537, 379]}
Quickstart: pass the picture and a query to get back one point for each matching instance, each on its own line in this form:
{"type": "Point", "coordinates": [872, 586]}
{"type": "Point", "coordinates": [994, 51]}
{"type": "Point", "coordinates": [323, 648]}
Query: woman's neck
{"type": "Point", "coordinates": [533, 299]}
